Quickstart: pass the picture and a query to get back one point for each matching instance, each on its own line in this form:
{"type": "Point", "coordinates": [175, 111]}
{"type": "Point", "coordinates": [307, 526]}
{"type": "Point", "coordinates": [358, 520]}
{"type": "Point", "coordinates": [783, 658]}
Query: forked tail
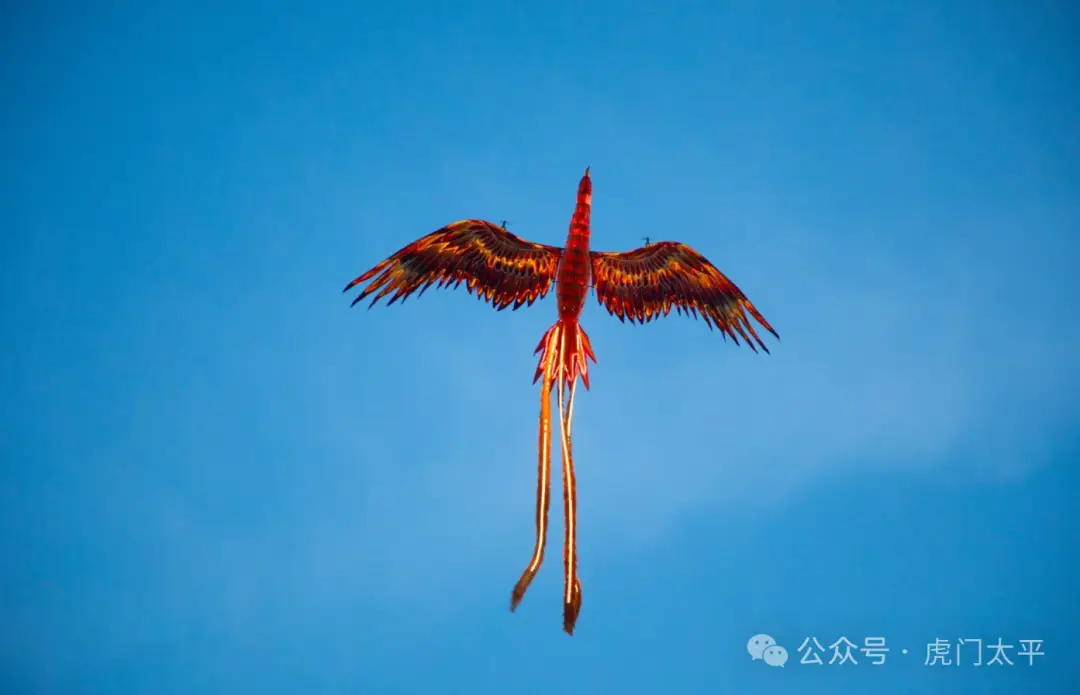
{"type": "Point", "coordinates": [564, 350]}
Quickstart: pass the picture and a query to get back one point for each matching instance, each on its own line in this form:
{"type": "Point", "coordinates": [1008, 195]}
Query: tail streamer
{"type": "Point", "coordinates": [564, 353]}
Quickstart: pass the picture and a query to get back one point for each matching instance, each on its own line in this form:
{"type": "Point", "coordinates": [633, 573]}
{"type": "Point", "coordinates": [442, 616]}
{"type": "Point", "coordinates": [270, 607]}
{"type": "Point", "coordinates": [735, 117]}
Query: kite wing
{"type": "Point", "coordinates": [648, 282]}
{"type": "Point", "coordinates": [502, 268]}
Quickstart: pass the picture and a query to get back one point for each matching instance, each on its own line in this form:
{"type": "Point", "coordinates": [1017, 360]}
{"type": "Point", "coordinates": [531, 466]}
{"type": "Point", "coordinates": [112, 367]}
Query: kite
{"type": "Point", "coordinates": [508, 271]}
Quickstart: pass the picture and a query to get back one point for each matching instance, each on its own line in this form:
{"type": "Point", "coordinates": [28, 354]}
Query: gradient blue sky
{"type": "Point", "coordinates": [218, 478]}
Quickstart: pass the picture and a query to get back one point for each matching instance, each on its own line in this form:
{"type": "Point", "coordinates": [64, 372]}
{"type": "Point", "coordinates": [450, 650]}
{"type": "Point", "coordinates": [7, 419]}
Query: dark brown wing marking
{"type": "Point", "coordinates": [648, 282]}
{"type": "Point", "coordinates": [500, 267]}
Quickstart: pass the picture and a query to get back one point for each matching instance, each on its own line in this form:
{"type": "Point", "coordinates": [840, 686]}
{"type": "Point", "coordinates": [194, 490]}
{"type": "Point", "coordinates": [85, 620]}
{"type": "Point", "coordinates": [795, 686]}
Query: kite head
{"type": "Point", "coordinates": [584, 189]}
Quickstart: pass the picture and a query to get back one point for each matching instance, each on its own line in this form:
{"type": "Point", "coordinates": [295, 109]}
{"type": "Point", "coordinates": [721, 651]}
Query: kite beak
{"type": "Point", "coordinates": [584, 189]}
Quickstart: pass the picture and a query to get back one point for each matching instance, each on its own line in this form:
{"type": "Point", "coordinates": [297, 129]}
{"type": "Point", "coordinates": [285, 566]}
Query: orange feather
{"type": "Point", "coordinates": [500, 267]}
{"type": "Point", "coordinates": [648, 282]}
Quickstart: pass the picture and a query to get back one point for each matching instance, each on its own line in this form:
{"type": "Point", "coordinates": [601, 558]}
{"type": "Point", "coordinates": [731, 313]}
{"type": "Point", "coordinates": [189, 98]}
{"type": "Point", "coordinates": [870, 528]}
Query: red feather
{"type": "Point", "coordinates": [648, 282]}
{"type": "Point", "coordinates": [500, 267]}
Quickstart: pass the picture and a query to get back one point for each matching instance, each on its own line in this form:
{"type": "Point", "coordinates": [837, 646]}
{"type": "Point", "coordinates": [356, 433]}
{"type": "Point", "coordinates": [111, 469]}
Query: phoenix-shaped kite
{"type": "Point", "coordinates": [508, 271]}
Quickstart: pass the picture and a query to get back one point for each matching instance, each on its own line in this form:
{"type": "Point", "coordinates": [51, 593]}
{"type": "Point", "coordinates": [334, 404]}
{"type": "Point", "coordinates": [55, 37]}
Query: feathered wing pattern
{"type": "Point", "coordinates": [500, 267]}
{"type": "Point", "coordinates": [648, 282]}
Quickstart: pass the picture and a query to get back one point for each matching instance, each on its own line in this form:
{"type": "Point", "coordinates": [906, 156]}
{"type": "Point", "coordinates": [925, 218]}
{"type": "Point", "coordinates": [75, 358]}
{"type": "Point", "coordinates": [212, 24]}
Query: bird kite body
{"type": "Point", "coordinates": [508, 271]}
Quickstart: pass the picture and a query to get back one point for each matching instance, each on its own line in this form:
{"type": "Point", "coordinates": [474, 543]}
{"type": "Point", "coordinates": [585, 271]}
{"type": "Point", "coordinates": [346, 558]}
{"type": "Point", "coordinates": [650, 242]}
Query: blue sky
{"type": "Point", "coordinates": [218, 478]}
